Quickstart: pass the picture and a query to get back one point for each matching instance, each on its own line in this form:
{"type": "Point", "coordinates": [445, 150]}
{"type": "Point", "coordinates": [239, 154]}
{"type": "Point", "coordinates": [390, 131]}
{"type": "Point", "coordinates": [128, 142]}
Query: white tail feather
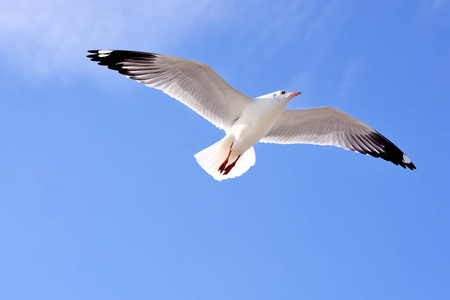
{"type": "Point", "coordinates": [212, 157]}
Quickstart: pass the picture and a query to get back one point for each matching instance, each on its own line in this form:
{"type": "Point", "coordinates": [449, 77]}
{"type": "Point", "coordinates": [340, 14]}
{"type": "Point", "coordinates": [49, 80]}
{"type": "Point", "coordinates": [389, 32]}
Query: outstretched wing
{"type": "Point", "coordinates": [193, 83]}
{"type": "Point", "coordinates": [330, 126]}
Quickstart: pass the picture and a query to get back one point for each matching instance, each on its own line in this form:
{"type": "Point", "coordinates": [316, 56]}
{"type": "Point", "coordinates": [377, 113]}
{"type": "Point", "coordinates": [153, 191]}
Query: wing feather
{"type": "Point", "coordinates": [195, 84]}
{"type": "Point", "coordinates": [330, 126]}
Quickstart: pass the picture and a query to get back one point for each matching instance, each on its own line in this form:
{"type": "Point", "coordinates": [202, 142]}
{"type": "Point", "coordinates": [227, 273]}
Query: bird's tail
{"type": "Point", "coordinates": [211, 158]}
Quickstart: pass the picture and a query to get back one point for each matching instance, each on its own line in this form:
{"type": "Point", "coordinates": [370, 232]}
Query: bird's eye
{"type": "Point", "coordinates": [283, 92]}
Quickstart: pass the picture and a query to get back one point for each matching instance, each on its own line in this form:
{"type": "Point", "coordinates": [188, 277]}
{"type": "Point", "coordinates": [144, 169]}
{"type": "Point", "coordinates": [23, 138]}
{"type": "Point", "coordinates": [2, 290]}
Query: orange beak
{"type": "Point", "coordinates": [295, 94]}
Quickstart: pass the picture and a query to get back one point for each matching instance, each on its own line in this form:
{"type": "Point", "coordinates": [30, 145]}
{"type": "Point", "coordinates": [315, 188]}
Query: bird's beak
{"type": "Point", "coordinates": [295, 94]}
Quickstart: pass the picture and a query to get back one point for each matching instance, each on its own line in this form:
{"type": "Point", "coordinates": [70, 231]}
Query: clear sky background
{"type": "Point", "coordinates": [101, 197]}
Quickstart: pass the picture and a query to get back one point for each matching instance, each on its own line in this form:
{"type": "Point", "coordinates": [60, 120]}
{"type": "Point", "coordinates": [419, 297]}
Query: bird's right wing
{"type": "Point", "coordinates": [193, 83]}
{"type": "Point", "coordinates": [330, 126]}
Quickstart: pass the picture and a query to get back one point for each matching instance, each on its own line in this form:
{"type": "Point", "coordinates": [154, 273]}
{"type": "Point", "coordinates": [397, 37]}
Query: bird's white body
{"type": "Point", "coordinates": [257, 118]}
{"type": "Point", "coordinates": [244, 119]}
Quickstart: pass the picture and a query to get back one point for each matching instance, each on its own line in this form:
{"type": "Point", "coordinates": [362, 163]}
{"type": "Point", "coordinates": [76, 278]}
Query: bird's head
{"type": "Point", "coordinates": [283, 95]}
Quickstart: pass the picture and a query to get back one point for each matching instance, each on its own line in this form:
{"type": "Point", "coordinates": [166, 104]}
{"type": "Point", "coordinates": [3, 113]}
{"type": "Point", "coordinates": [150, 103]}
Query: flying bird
{"type": "Point", "coordinates": [246, 120]}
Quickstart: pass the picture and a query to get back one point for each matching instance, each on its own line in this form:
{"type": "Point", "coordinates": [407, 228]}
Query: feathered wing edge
{"type": "Point", "coordinates": [193, 83]}
{"type": "Point", "coordinates": [330, 126]}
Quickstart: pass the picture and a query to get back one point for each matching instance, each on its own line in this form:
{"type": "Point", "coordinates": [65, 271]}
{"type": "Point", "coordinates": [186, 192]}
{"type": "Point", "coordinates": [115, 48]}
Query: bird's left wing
{"type": "Point", "coordinates": [330, 126]}
{"type": "Point", "coordinates": [193, 83]}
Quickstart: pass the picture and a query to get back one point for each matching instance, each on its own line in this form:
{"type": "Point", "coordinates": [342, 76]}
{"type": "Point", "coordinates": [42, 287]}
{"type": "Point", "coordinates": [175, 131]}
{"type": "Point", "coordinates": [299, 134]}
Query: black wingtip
{"type": "Point", "coordinates": [94, 56]}
{"type": "Point", "coordinates": [120, 60]}
{"type": "Point", "coordinates": [113, 59]}
{"type": "Point", "coordinates": [93, 51]}
{"type": "Point", "coordinates": [411, 166]}
{"type": "Point", "coordinates": [388, 151]}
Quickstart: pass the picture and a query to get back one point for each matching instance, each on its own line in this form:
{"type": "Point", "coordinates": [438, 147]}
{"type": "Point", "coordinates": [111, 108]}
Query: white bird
{"type": "Point", "coordinates": [244, 119]}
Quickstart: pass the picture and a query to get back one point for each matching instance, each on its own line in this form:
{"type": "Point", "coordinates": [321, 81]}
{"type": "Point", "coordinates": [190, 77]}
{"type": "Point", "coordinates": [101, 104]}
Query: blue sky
{"type": "Point", "coordinates": [101, 197]}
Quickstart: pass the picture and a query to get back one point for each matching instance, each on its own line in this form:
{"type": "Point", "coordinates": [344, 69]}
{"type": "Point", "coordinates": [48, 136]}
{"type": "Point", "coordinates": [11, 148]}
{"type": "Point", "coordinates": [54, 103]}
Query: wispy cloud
{"type": "Point", "coordinates": [49, 37]}
{"type": "Point", "coordinates": [349, 79]}
{"type": "Point", "coordinates": [43, 37]}
{"type": "Point", "coordinates": [431, 10]}
{"type": "Point", "coordinates": [279, 20]}
{"type": "Point", "coordinates": [434, 5]}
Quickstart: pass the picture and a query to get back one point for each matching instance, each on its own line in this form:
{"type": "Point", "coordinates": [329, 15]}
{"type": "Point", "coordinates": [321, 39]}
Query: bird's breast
{"type": "Point", "coordinates": [253, 124]}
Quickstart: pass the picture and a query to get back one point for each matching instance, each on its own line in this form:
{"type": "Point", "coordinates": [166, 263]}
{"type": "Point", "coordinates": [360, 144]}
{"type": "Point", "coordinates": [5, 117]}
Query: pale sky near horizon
{"type": "Point", "coordinates": [101, 197]}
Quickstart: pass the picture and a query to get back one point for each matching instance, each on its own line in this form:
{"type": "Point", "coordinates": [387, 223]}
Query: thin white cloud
{"type": "Point", "coordinates": [430, 10]}
{"type": "Point", "coordinates": [274, 21]}
{"type": "Point", "coordinates": [47, 38]}
{"type": "Point", "coordinates": [350, 76]}
{"type": "Point", "coordinates": [435, 5]}
{"type": "Point", "coordinates": [43, 37]}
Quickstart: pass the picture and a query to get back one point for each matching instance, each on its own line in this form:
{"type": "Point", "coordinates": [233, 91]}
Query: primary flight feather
{"type": "Point", "coordinates": [246, 120]}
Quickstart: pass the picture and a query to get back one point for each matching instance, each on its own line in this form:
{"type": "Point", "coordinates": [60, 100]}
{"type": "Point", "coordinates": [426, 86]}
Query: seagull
{"type": "Point", "coordinates": [246, 120]}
